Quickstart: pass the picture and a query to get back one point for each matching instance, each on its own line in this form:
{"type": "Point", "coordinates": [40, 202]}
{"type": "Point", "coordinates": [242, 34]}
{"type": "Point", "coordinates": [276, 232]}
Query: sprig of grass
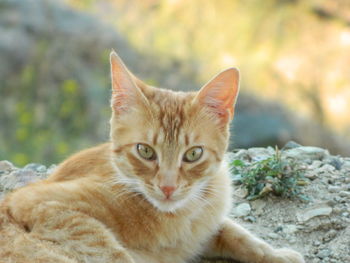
{"type": "Point", "coordinates": [276, 175]}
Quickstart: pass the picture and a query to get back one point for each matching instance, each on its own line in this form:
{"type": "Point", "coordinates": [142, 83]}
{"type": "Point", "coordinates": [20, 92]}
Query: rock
{"type": "Point", "coordinates": [335, 162]}
{"type": "Point", "coordinates": [334, 189]}
{"type": "Point", "coordinates": [35, 167]}
{"type": "Point", "coordinates": [306, 152]}
{"type": "Point", "coordinates": [315, 164]}
{"type": "Point", "coordinates": [41, 169]}
{"type": "Point", "coordinates": [312, 175]}
{"type": "Point", "coordinates": [250, 219]}
{"type": "Point", "coordinates": [260, 153]}
{"type": "Point", "coordinates": [322, 209]}
{"type": "Point", "coordinates": [291, 145]}
{"type": "Point", "coordinates": [324, 253]}
{"type": "Point", "coordinates": [290, 229]}
{"type": "Point", "coordinates": [273, 235]}
{"type": "Point", "coordinates": [326, 169]}
{"type": "Point", "coordinates": [18, 178]}
{"type": "Point", "coordinates": [6, 166]}
{"type": "Point", "coordinates": [258, 206]}
{"type": "Point", "coordinates": [344, 194]}
{"type": "Point", "coordinates": [242, 210]}
{"type": "Point", "coordinates": [51, 169]}
{"type": "Point", "coordinates": [242, 154]}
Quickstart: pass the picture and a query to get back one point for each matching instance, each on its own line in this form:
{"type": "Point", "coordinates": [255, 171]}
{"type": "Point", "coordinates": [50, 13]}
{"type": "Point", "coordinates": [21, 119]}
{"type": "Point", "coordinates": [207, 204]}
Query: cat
{"type": "Point", "coordinates": [158, 192]}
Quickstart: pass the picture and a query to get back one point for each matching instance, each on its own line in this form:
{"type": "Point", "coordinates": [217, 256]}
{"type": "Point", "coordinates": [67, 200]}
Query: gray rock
{"type": "Point", "coordinates": [273, 235]}
{"type": "Point", "coordinates": [335, 162]}
{"type": "Point", "coordinates": [312, 175]}
{"type": "Point", "coordinates": [324, 253]}
{"type": "Point", "coordinates": [334, 189]}
{"type": "Point", "coordinates": [259, 153]}
{"type": "Point", "coordinates": [35, 167]}
{"type": "Point", "coordinates": [315, 164]}
{"type": "Point", "coordinates": [6, 166]}
{"type": "Point", "coordinates": [290, 229]}
{"type": "Point", "coordinates": [41, 169]}
{"type": "Point", "coordinates": [321, 209]}
{"type": "Point", "coordinates": [344, 193]}
{"type": "Point", "coordinates": [241, 155]}
{"type": "Point", "coordinates": [51, 169]}
{"type": "Point", "coordinates": [258, 206]}
{"type": "Point", "coordinates": [291, 145]}
{"type": "Point", "coordinates": [307, 152]}
{"type": "Point", "coordinates": [18, 178]}
{"type": "Point", "coordinates": [241, 210]}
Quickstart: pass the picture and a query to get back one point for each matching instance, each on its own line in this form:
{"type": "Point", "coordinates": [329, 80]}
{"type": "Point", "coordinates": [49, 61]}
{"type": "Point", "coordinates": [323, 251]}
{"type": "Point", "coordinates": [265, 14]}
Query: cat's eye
{"type": "Point", "coordinates": [146, 151]}
{"type": "Point", "coordinates": [193, 154]}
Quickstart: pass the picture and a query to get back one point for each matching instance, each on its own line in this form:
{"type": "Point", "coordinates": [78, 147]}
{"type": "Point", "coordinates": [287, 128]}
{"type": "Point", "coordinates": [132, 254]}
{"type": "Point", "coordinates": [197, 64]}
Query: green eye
{"type": "Point", "coordinates": [146, 151]}
{"type": "Point", "coordinates": [193, 154]}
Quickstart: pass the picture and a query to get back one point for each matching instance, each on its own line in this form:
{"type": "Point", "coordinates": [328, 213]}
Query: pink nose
{"type": "Point", "coordinates": [168, 190]}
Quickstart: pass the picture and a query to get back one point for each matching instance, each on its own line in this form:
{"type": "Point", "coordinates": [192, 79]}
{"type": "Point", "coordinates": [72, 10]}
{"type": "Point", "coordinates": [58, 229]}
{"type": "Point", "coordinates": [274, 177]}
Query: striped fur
{"type": "Point", "coordinates": [106, 204]}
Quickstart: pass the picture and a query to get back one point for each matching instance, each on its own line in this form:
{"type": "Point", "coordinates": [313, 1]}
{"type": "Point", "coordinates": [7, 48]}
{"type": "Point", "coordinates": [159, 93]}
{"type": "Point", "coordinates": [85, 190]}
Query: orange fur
{"type": "Point", "coordinates": [106, 204]}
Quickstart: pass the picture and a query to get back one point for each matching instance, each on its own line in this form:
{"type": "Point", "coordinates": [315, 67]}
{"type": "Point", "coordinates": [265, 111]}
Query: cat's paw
{"type": "Point", "coordinates": [285, 255]}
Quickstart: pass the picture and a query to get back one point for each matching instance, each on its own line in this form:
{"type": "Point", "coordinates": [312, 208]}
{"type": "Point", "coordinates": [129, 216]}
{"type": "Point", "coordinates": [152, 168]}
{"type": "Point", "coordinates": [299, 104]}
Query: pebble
{"type": "Point", "coordinates": [326, 169]}
{"type": "Point", "coordinates": [241, 155]}
{"type": "Point", "coordinates": [324, 253]}
{"type": "Point", "coordinates": [41, 169]}
{"type": "Point", "coordinates": [291, 145]}
{"type": "Point", "coordinates": [241, 210]}
{"type": "Point", "coordinates": [6, 166]}
{"type": "Point", "coordinates": [250, 219]}
{"type": "Point", "coordinates": [345, 214]}
{"type": "Point", "coordinates": [322, 209]}
{"type": "Point", "coordinates": [334, 189]}
{"type": "Point", "coordinates": [51, 169]}
{"type": "Point", "coordinates": [307, 152]}
{"type": "Point", "coordinates": [290, 229]}
{"type": "Point", "coordinates": [312, 175]}
{"type": "Point", "coordinates": [36, 167]}
{"type": "Point", "coordinates": [260, 153]}
{"type": "Point", "coordinates": [335, 162]}
{"type": "Point", "coordinates": [344, 194]}
{"type": "Point", "coordinates": [316, 243]}
{"type": "Point", "coordinates": [273, 235]}
{"type": "Point", "coordinates": [315, 164]}
{"type": "Point", "coordinates": [18, 178]}
{"type": "Point", "coordinates": [258, 206]}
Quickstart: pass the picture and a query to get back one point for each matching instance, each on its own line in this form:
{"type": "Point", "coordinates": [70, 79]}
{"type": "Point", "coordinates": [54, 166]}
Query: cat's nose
{"type": "Point", "coordinates": [168, 190]}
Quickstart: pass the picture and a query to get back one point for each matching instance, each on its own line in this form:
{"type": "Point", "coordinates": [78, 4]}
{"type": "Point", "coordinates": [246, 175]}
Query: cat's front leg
{"type": "Point", "coordinates": [234, 242]}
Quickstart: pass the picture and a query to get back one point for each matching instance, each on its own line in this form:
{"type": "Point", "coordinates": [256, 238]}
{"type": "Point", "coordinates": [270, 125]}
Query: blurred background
{"type": "Point", "coordinates": [294, 58]}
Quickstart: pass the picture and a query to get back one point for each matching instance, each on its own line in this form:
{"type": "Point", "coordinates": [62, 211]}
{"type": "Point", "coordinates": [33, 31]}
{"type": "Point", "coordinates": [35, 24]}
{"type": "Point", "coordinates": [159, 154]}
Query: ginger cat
{"type": "Point", "coordinates": [159, 192]}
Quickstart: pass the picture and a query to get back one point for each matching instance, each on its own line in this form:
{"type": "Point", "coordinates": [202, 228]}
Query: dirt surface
{"type": "Point", "coordinates": [319, 227]}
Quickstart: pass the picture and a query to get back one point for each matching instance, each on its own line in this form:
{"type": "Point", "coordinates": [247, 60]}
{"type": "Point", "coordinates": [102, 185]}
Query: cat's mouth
{"type": "Point", "coordinates": [166, 204]}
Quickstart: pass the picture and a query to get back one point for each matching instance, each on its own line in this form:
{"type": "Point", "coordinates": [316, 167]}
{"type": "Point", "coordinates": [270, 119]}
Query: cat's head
{"type": "Point", "coordinates": [166, 145]}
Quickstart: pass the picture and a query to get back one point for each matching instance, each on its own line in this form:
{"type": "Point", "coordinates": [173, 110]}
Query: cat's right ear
{"type": "Point", "coordinates": [219, 95]}
{"type": "Point", "coordinates": [125, 93]}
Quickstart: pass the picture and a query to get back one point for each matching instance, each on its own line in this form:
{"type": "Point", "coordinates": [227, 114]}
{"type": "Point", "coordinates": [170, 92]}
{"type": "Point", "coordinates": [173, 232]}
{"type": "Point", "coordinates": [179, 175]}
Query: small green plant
{"type": "Point", "coordinates": [276, 175]}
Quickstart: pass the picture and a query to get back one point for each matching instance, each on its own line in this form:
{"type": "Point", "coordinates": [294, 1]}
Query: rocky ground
{"type": "Point", "coordinates": [318, 227]}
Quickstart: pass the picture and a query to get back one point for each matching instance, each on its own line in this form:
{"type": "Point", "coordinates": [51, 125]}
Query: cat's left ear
{"type": "Point", "coordinates": [219, 95]}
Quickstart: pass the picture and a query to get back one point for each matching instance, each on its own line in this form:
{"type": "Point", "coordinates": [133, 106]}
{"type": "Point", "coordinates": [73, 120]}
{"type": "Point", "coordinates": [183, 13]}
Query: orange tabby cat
{"type": "Point", "coordinates": [160, 192]}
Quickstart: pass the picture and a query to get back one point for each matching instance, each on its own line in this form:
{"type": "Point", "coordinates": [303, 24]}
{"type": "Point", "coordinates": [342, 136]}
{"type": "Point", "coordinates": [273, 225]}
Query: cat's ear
{"type": "Point", "coordinates": [125, 93]}
{"type": "Point", "coordinates": [219, 95]}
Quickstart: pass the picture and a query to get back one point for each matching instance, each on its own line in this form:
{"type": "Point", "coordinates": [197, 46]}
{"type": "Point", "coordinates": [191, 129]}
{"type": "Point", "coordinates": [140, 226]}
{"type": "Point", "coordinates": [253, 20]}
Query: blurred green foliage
{"type": "Point", "coordinates": [54, 82]}
{"type": "Point", "coordinates": [296, 52]}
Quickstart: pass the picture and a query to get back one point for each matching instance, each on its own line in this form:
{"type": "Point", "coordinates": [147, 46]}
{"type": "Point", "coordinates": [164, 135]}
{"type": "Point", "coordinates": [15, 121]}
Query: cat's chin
{"type": "Point", "coordinates": [168, 206]}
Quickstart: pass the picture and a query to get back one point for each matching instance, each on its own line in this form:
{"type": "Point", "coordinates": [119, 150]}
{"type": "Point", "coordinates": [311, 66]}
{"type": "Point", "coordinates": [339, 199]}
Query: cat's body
{"type": "Point", "coordinates": [149, 235]}
{"type": "Point", "coordinates": [160, 192]}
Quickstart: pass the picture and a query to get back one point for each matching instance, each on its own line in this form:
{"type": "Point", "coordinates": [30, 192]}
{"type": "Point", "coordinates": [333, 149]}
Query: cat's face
{"type": "Point", "coordinates": [166, 145]}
